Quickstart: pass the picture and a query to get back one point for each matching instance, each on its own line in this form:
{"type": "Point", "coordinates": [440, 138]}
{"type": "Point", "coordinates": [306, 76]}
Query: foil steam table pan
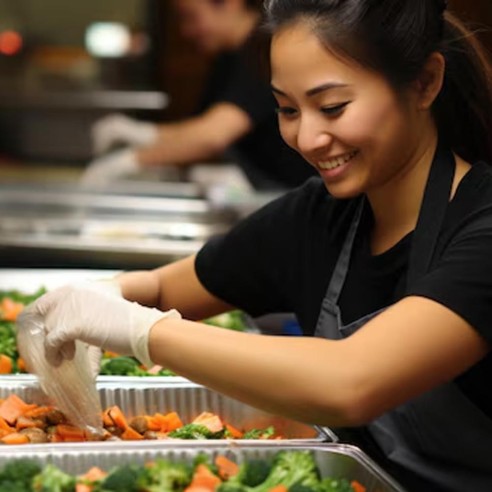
{"type": "Point", "coordinates": [334, 460]}
{"type": "Point", "coordinates": [146, 396]}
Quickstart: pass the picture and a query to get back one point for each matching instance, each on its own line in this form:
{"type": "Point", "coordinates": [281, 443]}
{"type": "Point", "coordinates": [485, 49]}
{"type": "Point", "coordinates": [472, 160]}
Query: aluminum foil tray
{"type": "Point", "coordinates": [337, 461]}
{"type": "Point", "coordinates": [146, 396]}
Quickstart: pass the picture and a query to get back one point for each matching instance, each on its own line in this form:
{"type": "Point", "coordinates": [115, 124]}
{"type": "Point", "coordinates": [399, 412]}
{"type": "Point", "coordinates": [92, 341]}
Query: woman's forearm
{"type": "Point", "coordinates": [303, 378]}
{"type": "Point", "coordinates": [140, 286]}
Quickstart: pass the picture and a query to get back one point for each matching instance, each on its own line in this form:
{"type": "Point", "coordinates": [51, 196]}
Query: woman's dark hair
{"type": "Point", "coordinates": [395, 38]}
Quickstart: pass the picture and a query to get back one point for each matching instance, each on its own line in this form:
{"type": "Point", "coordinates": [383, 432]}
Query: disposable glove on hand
{"type": "Point", "coordinates": [98, 318]}
{"type": "Point", "coordinates": [111, 167]}
{"type": "Point", "coordinates": [118, 128]}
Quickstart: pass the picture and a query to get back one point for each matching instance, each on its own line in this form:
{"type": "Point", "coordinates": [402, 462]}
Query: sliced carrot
{"type": "Point", "coordinates": [6, 364]}
{"type": "Point", "coordinates": [203, 479]}
{"type": "Point", "coordinates": [12, 407]}
{"type": "Point", "coordinates": [118, 417]}
{"type": "Point", "coordinates": [21, 364]}
{"type": "Point", "coordinates": [235, 433]}
{"type": "Point", "coordinates": [83, 487]}
{"type": "Point", "coordinates": [27, 423]}
{"type": "Point", "coordinates": [5, 426]}
{"type": "Point", "coordinates": [37, 412]}
{"type": "Point", "coordinates": [15, 438]}
{"type": "Point", "coordinates": [93, 474]}
{"type": "Point", "coordinates": [357, 486]}
{"type": "Point", "coordinates": [209, 420]}
{"type": "Point", "coordinates": [279, 488]}
{"type": "Point", "coordinates": [170, 421]}
{"type": "Point", "coordinates": [10, 309]}
{"type": "Point", "coordinates": [71, 433]}
{"type": "Point", "coordinates": [131, 435]}
{"type": "Point", "coordinates": [226, 467]}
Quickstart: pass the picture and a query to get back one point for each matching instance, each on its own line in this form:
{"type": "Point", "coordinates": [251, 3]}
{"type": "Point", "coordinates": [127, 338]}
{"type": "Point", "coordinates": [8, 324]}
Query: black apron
{"type": "Point", "coordinates": [440, 436]}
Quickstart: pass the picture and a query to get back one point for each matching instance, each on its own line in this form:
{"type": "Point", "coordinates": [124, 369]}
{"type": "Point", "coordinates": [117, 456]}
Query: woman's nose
{"type": "Point", "coordinates": [312, 136]}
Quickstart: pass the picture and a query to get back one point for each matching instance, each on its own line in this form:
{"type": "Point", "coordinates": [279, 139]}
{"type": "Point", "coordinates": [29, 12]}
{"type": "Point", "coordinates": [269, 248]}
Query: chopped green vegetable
{"type": "Point", "coordinates": [259, 433]}
{"type": "Point", "coordinates": [52, 479]}
{"type": "Point", "coordinates": [232, 320]}
{"type": "Point", "coordinates": [195, 431]}
{"type": "Point", "coordinates": [296, 470]}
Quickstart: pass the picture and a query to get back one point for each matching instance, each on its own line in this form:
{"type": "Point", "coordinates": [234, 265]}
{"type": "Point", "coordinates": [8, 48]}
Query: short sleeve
{"type": "Point", "coordinates": [252, 266]}
{"type": "Point", "coordinates": [462, 277]}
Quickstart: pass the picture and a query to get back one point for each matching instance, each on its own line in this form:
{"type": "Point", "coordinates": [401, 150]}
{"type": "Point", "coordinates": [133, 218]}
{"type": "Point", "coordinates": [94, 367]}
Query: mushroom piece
{"type": "Point", "coordinates": [35, 435]}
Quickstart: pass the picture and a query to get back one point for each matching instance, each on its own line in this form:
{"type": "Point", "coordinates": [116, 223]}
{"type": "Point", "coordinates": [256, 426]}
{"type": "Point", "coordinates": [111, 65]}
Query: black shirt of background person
{"type": "Point", "coordinates": [236, 77]}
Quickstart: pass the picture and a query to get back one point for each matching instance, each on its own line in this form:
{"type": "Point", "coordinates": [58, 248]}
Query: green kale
{"type": "Point", "coordinates": [195, 431]}
{"type": "Point", "coordinates": [52, 479]}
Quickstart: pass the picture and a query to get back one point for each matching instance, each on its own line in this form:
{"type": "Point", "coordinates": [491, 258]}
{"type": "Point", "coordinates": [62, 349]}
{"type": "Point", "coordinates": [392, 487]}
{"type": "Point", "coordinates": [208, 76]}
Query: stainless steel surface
{"type": "Point", "coordinates": [337, 461]}
{"type": "Point", "coordinates": [79, 228]}
{"type": "Point", "coordinates": [148, 396]}
{"type": "Point", "coordinates": [116, 100]}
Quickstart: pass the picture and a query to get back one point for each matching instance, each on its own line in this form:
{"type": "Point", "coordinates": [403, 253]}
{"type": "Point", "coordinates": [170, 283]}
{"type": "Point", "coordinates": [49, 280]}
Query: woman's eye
{"type": "Point", "coordinates": [286, 111]}
{"type": "Point", "coordinates": [334, 110]}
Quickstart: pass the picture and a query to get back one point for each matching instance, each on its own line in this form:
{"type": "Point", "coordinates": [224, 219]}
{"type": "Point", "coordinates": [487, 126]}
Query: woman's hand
{"type": "Point", "coordinates": [98, 317]}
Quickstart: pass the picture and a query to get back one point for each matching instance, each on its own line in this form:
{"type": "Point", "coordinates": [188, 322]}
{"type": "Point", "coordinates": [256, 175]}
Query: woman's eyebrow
{"type": "Point", "coordinates": [315, 90]}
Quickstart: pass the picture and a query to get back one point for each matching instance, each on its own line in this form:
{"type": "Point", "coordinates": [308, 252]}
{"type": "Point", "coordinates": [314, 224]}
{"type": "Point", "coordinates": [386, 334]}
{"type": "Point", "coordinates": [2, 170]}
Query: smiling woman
{"type": "Point", "coordinates": [389, 274]}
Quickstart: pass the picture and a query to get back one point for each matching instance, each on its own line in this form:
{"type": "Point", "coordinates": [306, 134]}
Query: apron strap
{"type": "Point", "coordinates": [431, 215]}
{"type": "Point", "coordinates": [342, 265]}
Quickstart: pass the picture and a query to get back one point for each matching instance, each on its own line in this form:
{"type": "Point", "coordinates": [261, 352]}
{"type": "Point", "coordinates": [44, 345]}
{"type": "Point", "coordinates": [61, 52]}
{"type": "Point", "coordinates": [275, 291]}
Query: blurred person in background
{"type": "Point", "coordinates": [237, 113]}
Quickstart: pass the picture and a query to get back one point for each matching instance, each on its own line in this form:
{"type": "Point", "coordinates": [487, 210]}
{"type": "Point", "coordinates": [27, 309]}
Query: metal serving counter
{"type": "Point", "coordinates": [141, 225]}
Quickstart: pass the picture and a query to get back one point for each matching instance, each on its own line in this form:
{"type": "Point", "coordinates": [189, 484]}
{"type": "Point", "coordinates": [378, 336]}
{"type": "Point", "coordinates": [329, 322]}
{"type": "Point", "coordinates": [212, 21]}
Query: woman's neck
{"type": "Point", "coordinates": [396, 205]}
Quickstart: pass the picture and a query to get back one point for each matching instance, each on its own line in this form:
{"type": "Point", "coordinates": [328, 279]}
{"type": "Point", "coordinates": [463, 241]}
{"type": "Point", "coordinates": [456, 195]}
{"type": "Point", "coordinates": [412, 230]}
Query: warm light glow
{"type": "Point", "coordinates": [107, 39]}
{"type": "Point", "coordinates": [10, 43]}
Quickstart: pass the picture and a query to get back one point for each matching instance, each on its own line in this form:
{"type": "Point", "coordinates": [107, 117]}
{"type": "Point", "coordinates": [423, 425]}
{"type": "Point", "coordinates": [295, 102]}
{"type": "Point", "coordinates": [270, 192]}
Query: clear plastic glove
{"type": "Point", "coordinates": [98, 318]}
{"type": "Point", "coordinates": [111, 167]}
{"type": "Point", "coordinates": [118, 128]}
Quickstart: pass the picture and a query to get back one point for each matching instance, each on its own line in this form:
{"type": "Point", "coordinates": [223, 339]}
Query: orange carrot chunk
{"type": "Point", "coordinates": [118, 417]}
{"type": "Point", "coordinates": [12, 407]}
{"type": "Point", "coordinates": [15, 438]}
{"type": "Point", "coordinates": [131, 435]}
{"type": "Point", "coordinates": [6, 364]}
{"type": "Point", "coordinates": [209, 420]}
{"type": "Point", "coordinates": [358, 487]}
{"type": "Point", "coordinates": [203, 480]}
{"type": "Point", "coordinates": [226, 467]}
{"type": "Point", "coordinates": [71, 433]}
{"type": "Point", "coordinates": [279, 488]}
{"type": "Point", "coordinates": [235, 433]}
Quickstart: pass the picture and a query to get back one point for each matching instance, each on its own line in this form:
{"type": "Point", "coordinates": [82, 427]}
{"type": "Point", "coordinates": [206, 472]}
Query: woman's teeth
{"type": "Point", "coordinates": [336, 161]}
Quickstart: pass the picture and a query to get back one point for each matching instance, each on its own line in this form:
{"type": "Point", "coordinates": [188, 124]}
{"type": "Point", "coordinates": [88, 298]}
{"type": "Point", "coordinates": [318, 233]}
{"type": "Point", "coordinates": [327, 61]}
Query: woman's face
{"type": "Point", "coordinates": [345, 120]}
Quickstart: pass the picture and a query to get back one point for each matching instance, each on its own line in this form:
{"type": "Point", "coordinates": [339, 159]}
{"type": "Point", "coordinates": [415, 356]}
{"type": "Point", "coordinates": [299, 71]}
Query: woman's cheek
{"type": "Point", "coordinates": [289, 133]}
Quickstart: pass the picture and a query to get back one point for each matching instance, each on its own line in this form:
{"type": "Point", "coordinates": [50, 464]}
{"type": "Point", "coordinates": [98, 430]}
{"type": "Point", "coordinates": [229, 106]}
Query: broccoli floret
{"type": "Point", "coordinates": [195, 431]}
{"type": "Point", "coordinates": [21, 470]}
{"type": "Point", "coordinates": [259, 433]}
{"type": "Point", "coordinates": [8, 486]}
{"type": "Point", "coordinates": [291, 468]}
{"type": "Point", "coordinates": [118, 366]}
{"type": "Point", "coordinates": [124, 478]}
{"type": "Point", "coordinates": [164, 476]}
{"type": "Point", "coordinates": [251, 474]}
{"type": "Point", "coordinates": [232, 320]}
{"type": "Point", "coordinates": [52, 479]}
{"type": "Point", "coordinates": [335, 485]}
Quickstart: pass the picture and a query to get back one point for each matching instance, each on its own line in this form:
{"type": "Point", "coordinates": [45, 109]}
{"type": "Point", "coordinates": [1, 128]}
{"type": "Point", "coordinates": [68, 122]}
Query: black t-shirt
{"type": "Point", "coordinates": [266, 159]}
{"type": "Point", "coordinates": [280, 259]}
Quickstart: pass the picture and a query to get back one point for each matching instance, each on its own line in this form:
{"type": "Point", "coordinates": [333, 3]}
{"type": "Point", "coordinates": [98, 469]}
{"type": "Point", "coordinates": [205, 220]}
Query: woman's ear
{"type": "Point", "coordinates": [430, 80]}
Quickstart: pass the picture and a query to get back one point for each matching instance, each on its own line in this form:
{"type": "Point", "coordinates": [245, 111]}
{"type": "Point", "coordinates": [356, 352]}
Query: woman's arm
{"type": "Point", "coordinates": [199, 138]}
{"type": "Point", "coordinates": [410, 348]}
{"type": "Point", "coordinates": [173, 286]}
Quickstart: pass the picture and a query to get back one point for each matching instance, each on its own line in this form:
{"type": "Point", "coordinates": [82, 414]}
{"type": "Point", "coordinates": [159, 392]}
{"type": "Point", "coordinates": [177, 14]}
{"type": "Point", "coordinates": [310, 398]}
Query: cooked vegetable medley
{"type": "Point", "coordinates": [22, 423]}
{"type": "Point", "coordinates": [289, 471]}
{"type": "Point", "coordinates": [12, 302]}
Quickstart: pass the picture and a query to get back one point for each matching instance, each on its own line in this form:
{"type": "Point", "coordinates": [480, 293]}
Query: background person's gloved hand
{"type": "Point", "coordinates": [120, 129]}
{"type": "Point", "coordinates": [98, 318]}
{"type": "Point", "coordinates": [111, 167]}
